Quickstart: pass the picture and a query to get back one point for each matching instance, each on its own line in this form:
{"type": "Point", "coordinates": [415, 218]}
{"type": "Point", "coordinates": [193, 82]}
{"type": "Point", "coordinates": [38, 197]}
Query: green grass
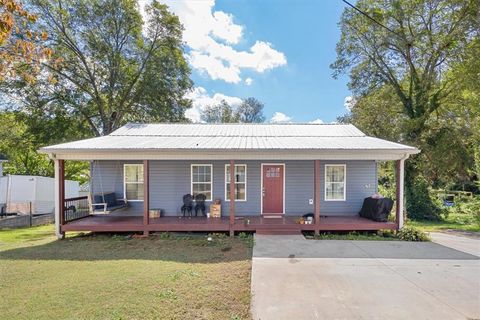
{"type": "Point", "coordinates": [454, 221]}
{"type": "Point", "coordinates": [118, 277]}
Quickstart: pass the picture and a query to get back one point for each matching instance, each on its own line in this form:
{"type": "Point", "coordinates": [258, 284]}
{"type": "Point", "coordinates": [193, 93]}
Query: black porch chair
{"type": "Point", "coordinates": [187, 206]}
{"type": "Point", "coordinates": [200, 204]}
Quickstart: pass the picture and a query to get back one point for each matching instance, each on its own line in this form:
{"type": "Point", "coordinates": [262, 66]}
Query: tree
{"type": "Point", "coordinates": [428, 37]}
{"type": "Point", "coordinates": [219, 113]}
{"type": "Point", "coordinates": [22, 137]}
{"type": "Point", "coordinates": [424, 40]}
{"type": "Point", "coordinates": [250, 111]}
{"type": "Point", "coordinates": [20, 47]}
{"type": "Point", "coordinates": [109, 66]}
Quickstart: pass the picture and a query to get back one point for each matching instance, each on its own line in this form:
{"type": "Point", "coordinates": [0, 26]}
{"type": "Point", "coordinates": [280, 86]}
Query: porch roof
{"type": "Point", "coordinates": [315, 140]}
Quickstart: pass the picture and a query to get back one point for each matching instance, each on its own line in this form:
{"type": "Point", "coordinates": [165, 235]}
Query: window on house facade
{"type": "Point", "coordinates": [240, 182]}
{"type": "Point", "coordinates": [133, 182]}
{"type": "Point", "coordinates": [335, 182]}
{"type": "Point", "coordinates": [202, 180]}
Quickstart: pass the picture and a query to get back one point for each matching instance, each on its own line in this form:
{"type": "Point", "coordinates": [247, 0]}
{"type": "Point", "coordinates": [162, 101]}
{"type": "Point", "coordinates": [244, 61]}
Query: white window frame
{"type": "Point", "coordinates": [125, 181]}
{"type": "Point", "coordinates": [236, 165]}
{"type": "Point", "coordinates": [344, 182]}
{"type": "Point", "coordinates": [211, 178]}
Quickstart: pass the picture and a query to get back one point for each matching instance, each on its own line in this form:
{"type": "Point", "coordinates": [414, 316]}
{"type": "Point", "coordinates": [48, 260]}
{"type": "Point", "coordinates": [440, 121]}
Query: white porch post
{"type": "Point", "coordinates": [400, 192]}
{"type": "Point", "coordinates": [58, 200]}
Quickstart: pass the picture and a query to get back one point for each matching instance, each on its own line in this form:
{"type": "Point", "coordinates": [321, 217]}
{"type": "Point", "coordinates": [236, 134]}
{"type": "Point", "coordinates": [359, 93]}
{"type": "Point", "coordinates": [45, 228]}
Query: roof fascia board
{"type": "Point", "coordinates": [237, 155]}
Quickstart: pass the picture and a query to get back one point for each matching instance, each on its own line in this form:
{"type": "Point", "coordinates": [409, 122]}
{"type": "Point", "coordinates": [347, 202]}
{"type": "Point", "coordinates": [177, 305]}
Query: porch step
{"type": "Point", "coordinates": [278, 232]}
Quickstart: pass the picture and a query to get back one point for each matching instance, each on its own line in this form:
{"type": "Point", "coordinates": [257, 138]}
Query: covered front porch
{"type": "Point", "coordinates": [285, 224]}
{"type": "Point", "coordinates": [137, 218]}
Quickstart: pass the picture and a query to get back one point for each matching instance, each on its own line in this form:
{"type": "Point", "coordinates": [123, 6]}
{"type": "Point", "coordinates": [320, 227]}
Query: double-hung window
{"type": "Point", "coordinates": [133, 182]}
{"type": "Point", "coordinates": [335, 182]}
{"type": "Point", "coordinates": [240, 190]}
{"type": "Point", "coordinates": [202, 180]}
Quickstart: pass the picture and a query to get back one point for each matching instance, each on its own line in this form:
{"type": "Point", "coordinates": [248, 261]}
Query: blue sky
{"type": "Point", "coordinates": [277, 51]}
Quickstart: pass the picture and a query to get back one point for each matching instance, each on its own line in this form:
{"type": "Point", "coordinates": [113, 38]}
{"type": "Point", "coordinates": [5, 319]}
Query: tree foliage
{"type": "Point", "coordinates": [219, 113]}
{"type": "Point", "coordinates": [20, 47]}
{"type": "Point", "coordinates": [429, 37]}
{"type": "Point", "coordinates": [108, 65]}
{"type": "Point", "coordinates": [405, 85]}
{"type": "Point", "coordinates": [249, 111]}
{"type": "Point", "coordinates": [21, 138]}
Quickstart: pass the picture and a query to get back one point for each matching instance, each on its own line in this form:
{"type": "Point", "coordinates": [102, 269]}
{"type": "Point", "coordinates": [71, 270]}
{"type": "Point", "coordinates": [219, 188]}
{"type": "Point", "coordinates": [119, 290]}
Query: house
{"type": "Point", "coordinates": [281, 171]}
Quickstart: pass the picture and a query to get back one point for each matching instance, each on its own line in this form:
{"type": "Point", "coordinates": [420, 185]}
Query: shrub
{"type": "Point", "coordinates": [466, 206]}
{"type": "Point", "coordinates": [420, 205]}
{"type": "Point", "coordinates": [244, 235]}
{"type": "Point", "coordinates": [408, 233]}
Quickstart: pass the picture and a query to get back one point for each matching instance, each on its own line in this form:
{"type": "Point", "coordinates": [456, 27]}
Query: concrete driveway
{"type": "Point", "coordinates": [295, 278]}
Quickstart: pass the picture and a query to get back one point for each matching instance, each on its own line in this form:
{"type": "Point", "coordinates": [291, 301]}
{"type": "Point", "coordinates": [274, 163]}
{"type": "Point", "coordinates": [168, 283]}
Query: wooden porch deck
{"type": "Point", "coordinates": [117, 223]}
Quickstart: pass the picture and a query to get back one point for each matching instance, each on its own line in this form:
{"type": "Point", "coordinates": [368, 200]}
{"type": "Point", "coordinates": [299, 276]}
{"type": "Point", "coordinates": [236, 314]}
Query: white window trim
{"type": "Point", "coordinates": [211, 178]}
{"type": "Point", "coordinates": [125, 181]}
{"type": "Point", "coordinates": [344, 182]}
{"type": "Point", "coordinates": [236, 200]}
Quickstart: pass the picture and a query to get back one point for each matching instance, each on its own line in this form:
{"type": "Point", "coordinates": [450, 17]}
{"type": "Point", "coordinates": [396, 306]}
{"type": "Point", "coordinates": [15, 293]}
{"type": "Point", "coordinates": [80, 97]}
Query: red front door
{"type": "Point", "coordinates": [272, 189]}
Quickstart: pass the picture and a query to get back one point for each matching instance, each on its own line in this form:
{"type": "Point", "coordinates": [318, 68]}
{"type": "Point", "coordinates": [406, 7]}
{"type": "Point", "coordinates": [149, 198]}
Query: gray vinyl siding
{"type": "Point", "coordinates": [107, 176]}
{"type": "Point", "coordinates": [170, 180]}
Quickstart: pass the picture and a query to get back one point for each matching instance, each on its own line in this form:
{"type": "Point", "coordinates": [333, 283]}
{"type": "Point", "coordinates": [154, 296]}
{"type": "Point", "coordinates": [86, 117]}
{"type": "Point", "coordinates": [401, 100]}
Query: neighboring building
{"type": "Point", "coordinates": [31, 194]}
{"type": "Point", "coordinates": [2, 160]}
{"type": "Point", "coordinates": [281, 170]}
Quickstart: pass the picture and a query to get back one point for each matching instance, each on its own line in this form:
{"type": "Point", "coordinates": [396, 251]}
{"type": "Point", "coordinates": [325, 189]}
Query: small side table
{"type": "Point", "coordinates": [215, 210]}
{"type": "Point", "coordinates": [155, 213]}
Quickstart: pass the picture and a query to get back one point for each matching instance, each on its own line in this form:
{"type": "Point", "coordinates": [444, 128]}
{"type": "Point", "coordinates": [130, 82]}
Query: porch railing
{"type": "Point", "coordinates": [76, 208]}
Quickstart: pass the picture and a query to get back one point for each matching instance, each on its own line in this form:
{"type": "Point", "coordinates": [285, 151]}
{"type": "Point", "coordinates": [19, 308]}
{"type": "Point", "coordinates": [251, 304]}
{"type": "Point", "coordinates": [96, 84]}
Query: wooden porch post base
{"type": "Point", "coordinates": [146, 233]}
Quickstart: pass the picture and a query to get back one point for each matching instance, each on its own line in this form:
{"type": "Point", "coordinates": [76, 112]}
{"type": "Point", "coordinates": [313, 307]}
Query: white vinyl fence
{"type": "Point", "coordinates": [32, 194]}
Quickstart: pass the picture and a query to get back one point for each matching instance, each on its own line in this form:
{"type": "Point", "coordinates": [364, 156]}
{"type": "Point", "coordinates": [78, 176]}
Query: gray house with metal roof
{"type": "Point", "coordinates": [281, 172]}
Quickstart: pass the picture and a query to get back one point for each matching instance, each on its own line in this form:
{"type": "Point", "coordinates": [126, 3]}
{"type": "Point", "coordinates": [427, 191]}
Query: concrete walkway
{"type": "Point", "coordinates": [295, 278]}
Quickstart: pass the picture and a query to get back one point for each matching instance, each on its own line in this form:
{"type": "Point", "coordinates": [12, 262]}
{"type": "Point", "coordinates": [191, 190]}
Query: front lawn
{"type": "Point", "coordinates": [454, 221]}
{"type": "Point", "coordinates": [119, 277]}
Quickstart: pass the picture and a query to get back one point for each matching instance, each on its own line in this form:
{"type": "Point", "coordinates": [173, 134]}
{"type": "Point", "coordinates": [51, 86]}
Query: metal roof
{"type": "Point", "coordinates": [223, 137]}
{"type": "Point", "coordinates": [238, 130]}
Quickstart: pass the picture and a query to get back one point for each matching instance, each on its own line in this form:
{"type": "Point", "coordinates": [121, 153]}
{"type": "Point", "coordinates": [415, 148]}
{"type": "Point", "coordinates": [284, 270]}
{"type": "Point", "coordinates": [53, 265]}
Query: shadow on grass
{"type": "Point", "coordinates": [96, 247]}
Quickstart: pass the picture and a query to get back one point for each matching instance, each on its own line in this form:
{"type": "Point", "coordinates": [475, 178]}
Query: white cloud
{"type": "Point", "coordinates": [317, 121]}
{"type": "Point", "coordinates": [279, 117]}
{"type": "Point", "coordinates": [211, 35]}
{"type": "Point", "coordinates": [201, 99]}
{"type": "Point", "coordinates": [248, 81]}
{"type": "Point", "coordinates": [349, 103]}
